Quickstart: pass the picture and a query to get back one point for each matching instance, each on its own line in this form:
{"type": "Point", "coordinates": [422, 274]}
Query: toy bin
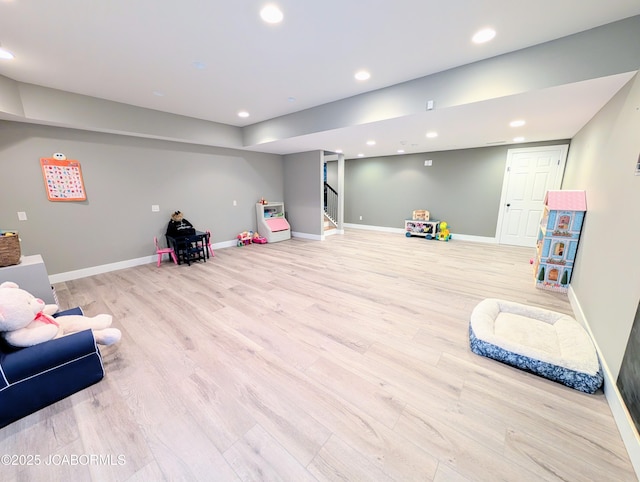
{"type": "Point", "coordinates": [271, 222]}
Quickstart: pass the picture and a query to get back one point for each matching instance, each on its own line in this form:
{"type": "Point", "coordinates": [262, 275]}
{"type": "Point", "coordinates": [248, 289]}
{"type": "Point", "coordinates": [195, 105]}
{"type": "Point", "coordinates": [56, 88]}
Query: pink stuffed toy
{"type": "Point", "coordinates": [26, 320]}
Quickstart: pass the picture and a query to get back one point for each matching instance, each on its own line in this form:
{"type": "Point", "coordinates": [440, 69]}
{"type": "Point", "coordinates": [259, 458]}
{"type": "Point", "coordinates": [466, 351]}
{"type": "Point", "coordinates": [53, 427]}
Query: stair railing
{"type": "Point", "coordinates": [331, 203]}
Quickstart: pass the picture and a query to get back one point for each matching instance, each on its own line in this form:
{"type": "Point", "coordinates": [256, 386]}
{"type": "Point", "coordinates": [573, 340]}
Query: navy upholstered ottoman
{"type": "Point", "coordinates": [32, 378]}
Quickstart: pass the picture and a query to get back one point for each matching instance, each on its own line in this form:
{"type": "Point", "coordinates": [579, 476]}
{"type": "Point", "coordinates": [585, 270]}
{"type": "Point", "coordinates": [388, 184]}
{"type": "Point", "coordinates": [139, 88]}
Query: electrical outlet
{"type": "Point", "coordinates": [235, 203]}
{"type": "Point", "coordinates": [429, 105]}
{"type": "Point", "coordinates": [428, 162]}
{"type": "Point", "coordinates": [155, 208]}
{"type": "Point", "coordinates": [360, 218]}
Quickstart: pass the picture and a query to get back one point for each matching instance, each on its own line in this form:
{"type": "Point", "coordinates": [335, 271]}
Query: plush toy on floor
{"type": "Point", "coordinates": [26, 320]}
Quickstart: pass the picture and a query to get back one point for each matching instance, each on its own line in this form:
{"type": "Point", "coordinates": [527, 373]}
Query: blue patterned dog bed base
{"type": "Point", "coordinates": [565, 355]}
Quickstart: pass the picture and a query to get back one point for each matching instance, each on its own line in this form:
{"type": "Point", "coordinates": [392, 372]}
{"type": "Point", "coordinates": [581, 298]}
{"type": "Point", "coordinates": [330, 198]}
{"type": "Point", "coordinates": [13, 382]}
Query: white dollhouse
{"type": "Point", "coordinates": [558, 238]}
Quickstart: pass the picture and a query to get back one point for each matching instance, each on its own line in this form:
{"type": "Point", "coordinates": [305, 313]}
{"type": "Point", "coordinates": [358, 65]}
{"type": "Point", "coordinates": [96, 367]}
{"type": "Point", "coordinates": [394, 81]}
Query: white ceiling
{"type": "Point", "coordinates": [126, 51]}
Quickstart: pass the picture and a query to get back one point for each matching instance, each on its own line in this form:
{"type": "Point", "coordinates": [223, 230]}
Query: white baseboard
{"type": "Point", "coordinates": [129, 263]}
{"type": "Point", "coordinates": [104, 268]}
{"type": "Point", "coordinates": [473, 239]}
{"type": "Point", "coordinates": [374, 228]}
{"type": "Point", "coordinates": [621, 415]}
{"type": "Point", "coordinates": [225, 244]}
{"type": "Point", "coordinates": [314, 237]}
{"type": "Point", "coordinates": [454, 236]}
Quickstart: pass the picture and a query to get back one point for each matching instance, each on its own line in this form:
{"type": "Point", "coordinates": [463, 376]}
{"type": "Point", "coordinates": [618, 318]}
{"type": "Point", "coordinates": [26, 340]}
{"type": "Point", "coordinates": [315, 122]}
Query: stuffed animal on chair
{"type": "Point", "coordinates": [26, 320]}
{"type": "Point", "coordinates": [179, 226]}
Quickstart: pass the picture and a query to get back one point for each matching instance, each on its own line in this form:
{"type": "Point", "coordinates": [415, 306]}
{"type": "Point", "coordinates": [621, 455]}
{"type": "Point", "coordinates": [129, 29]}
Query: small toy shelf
{"type": "Point", "coordinates": [271, 222]}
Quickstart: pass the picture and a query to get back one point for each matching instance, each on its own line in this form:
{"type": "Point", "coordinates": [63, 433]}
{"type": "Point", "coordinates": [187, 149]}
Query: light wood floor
{"type": "Point", "coordinates": [346, 359]}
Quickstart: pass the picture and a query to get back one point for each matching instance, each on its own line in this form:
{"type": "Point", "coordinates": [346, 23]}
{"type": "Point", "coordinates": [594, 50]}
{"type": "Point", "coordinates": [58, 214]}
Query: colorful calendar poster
{"type": "Point", "coordinates": [63, 180]}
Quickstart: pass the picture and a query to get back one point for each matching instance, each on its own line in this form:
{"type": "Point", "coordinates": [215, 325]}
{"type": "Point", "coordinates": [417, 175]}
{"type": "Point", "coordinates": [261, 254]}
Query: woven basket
{"type": "Point", "coordinates": [9, 250]}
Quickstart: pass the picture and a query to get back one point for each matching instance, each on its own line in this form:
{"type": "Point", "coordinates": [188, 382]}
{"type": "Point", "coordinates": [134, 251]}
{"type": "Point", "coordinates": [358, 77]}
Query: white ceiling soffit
{"type": "Point", "coordinates": [554, 113]}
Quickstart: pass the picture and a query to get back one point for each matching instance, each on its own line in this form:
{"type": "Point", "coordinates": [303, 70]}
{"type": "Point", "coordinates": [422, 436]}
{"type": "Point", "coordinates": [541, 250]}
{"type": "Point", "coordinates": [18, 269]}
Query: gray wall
{"type": "Point", "coordinates": [303, 192]}
{"type": "Point", "coordinates": [332, 174]}
{"type": "Point", "coordinates": [606, 279]}
{"type": "Point", "coordinates": [462, 187]}
{"type": "Point", "coordinates": [123, 177]}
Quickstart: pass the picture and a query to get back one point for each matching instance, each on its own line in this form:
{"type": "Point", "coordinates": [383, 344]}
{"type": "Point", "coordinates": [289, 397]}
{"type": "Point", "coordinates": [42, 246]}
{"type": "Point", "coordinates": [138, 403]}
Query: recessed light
{"type": "Point", "coordinates": [338, 151]}
{"type": "Point", "coordinates": [431, 135]}
{"type": "Point", "coordinates": [157, 93]}
{"type": "Point", "coordinates": [5, 54]}
{"type": "Point", "coordinates": [271, 14]}
{"type": "Point", "coordinates": [371, 143]}
{"type": "Point", "coordinates": [361, 155]}
{"type": "Point", "coordinates": [362, 75]}
{"type": "Point", "coordinates": [400, 151]}
{"type": "Point", "coordinates": [517, 123]}
{"type": "Point", "coordinates": [483, 35]}
{"type": "Point", "coordinates": [243, 114]}
{"type": "Point", "coordinates": [518, 139]}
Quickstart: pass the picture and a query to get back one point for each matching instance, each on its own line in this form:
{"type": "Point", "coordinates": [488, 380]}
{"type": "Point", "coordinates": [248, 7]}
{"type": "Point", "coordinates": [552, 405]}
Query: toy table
{"type": "Point", "coordinates": [190, 248]}
{"type": "Point", "coordinates": [417, 227]}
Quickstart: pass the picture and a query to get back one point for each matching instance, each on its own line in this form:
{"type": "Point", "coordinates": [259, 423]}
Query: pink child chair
{"type": "Point", "coordinates": [209, 248]}
{"type": "Point", "coordinates": [160, 251]}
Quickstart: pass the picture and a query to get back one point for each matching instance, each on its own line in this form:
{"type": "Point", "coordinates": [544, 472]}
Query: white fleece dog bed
{"type": "Point", "coordinates": [547, 343]}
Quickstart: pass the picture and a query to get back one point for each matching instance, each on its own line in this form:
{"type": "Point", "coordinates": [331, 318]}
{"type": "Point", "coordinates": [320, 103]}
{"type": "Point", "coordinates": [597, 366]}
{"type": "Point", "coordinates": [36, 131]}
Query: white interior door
{"type": "Point", "coordinates": [529, 174]}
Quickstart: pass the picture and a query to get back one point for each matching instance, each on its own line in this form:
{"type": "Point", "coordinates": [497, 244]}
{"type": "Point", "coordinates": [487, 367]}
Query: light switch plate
{"type": "Point", "coordinates": [22, 216]}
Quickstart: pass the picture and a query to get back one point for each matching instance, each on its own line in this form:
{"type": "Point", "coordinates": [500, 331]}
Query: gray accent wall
{"type": "Point", "coordinates": [606, 278]}
{"type": "Point", "coordinates": [303, 192]}
{"type": "Point", "coordinates": [124, 176]}
{"type": "Point", "coordinates": [461, 187]}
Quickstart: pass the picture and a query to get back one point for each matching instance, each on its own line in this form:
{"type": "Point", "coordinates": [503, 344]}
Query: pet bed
{"type": "Point", "coordinates": [549, 344]}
